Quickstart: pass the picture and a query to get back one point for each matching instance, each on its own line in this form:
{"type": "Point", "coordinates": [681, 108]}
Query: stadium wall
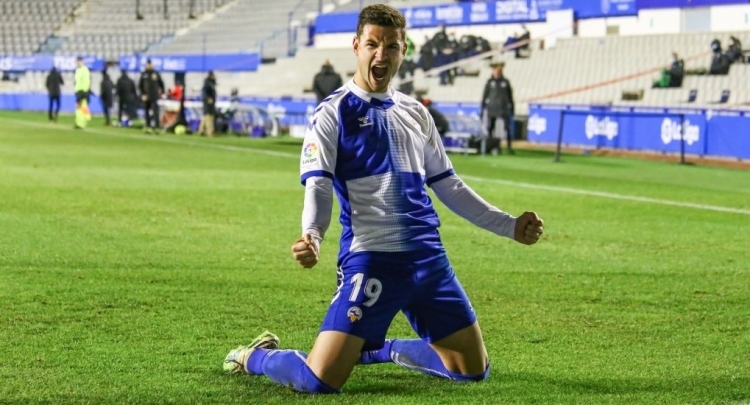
{"type": "Point", "coordinates": [706, 132]}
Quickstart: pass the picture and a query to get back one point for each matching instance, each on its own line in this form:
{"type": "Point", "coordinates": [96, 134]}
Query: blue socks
{"type": "Point", "coordinates": [417, 355]}
{"type": "Point", "coordinates": [287, 368]}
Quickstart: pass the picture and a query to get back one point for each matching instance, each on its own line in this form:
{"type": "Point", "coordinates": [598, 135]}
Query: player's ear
{"type": "Point", "coordinates": [355, 44]}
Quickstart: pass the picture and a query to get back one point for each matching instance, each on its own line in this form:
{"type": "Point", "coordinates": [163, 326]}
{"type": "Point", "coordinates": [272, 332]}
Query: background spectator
{"type": "Point", "coordinates": [209, 106]}
{"type": "Point", "coordinates": [106, 89]}
{"type": "Point", "coordinates": [441, 123]}
{"type": "Point", "coordinates": [126, 94]}
{"type": "Point", "coordinates": [151, 87]}
{"type": "Point", "coordinates": [54, 82]}
{"type": "Point", "coordinates": [497, 103]}
{"type": "Point", "coordinates": [326, 81]}
{"type": "Point", "coordinates": [719, 62]}
{"type": "Point", "coordinates": [672, 76]}
{"type": "Point", "coordinates": [734, 52]}
{"type": "Point", "coordinates": [406, 71]}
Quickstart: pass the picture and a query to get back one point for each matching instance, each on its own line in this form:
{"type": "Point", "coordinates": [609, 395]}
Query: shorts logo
{"type": "Point", "coordinates": [354, 314]}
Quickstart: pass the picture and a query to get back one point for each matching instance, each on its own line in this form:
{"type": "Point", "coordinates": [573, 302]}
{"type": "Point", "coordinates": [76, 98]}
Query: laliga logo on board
{"type": "Point", "coordinates": [537, 124]}
{"type": "Point", "coordinates": [672, 131]}
{"type": "Point", "coordinates": [604, 127]}
{"type": "Point", "coordinates": [277, 110]}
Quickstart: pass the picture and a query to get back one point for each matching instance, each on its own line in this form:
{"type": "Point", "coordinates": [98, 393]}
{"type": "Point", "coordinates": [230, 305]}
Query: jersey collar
{"type": "Point", "coordinates": [383, 100]}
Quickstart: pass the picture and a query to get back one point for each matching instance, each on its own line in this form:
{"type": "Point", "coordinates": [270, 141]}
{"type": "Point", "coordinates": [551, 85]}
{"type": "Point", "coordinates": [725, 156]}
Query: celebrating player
{"type": "Point", "coordinates": [377, 149]}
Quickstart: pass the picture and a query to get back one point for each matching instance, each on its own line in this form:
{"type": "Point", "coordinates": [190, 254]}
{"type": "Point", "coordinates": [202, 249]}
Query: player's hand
{"type": "Point", "coordinates": [529, 227]}
{"type": "Point", "coordinates": [305, 251]}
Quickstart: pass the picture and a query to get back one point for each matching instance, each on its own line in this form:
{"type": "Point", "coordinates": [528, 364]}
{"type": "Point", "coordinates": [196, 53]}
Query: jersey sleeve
{"type": "Point", "coordinates": [319, 148]}
{"type": "Point", "coordinates": [437, 165]}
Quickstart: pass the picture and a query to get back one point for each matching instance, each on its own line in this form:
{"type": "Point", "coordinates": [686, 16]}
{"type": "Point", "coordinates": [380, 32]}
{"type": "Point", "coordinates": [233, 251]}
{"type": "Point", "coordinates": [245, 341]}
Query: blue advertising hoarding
{"type": "Point", "coordinates": [235, 62]}
{"type": "Point", "coordinates": [46, 62]}
{"type": "Point", "coordinates": [645, 4]}
{"type": "Point", "coordinates": [490, 12]}
{"type": "Point", "coordinates": [706, 132]}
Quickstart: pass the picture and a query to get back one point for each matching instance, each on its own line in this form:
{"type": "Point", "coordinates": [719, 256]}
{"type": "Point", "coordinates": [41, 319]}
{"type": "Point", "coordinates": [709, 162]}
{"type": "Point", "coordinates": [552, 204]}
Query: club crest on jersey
{"type": "Point", "coordinates": [310, 153]}
{"type": "Point", "coordinates": [354, 314]}
{"type": "Point", "coordinates": [364, 121]}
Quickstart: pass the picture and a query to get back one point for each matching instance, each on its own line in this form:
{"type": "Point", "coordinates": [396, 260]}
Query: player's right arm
{"type": "Point", "coordinates": [317, 168]}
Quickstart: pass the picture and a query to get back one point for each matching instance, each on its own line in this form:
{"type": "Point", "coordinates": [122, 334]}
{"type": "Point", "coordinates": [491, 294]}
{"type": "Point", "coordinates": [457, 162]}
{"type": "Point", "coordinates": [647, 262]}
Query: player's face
{"type": "Point", "coordinates": [380, 51]}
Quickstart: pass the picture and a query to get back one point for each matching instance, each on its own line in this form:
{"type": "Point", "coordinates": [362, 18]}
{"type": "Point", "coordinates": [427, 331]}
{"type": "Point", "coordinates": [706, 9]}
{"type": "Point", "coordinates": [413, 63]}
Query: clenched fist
{"type": "Point", "coordinates": [305, 251]}
{"type": "Point", "coordinates": [529, 227]}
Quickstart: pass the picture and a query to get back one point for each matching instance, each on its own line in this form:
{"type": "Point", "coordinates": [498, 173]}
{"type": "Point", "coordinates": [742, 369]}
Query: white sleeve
{"type": "Point", "coordinates": [318, 157]}
{"type": "Point", "coordinates": [462, 200]}
{"type": "Point", "coordinates": [437, 166]}
{"type": "Point", "coordinates": [316, 213]}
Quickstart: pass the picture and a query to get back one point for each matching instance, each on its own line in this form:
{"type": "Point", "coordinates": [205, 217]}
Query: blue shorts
{"type": "Point", "coordinates": [368, 297]}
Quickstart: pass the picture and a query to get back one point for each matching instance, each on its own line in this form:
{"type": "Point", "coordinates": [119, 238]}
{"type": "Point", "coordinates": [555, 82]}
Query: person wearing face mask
{"type": "Point", "coordinates": [672, 75]}
{"type": "Point", "coordinates": [378, 149]}
{"type": "Point", "coordinates": [720, 62]}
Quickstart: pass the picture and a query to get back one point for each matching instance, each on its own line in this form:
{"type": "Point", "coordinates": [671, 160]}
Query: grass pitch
{"type": "Point", "coordinates": [131, 264]}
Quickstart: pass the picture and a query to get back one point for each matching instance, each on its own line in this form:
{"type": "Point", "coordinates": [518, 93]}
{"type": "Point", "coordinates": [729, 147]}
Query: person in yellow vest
{"type": "Point", "coordinates": [82, 89]}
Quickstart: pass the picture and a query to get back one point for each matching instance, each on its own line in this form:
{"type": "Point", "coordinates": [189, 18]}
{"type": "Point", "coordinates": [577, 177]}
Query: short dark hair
{"type": "Point", "coordinates": [382, 15]}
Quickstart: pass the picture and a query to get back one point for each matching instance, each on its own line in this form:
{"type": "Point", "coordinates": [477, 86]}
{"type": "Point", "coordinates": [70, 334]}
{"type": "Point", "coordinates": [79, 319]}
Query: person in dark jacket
{"type": "Point", "coordinates": [326, 81]}
{"type": "Point", "coordinates": [720, 62]}
{"type": "Point", "coordinates": [209, 106]}
{"type": "Point", "coordinates": [441, 123]}
{"type": "Point", "coordinates": [406, 74]}
{"type": "Point", "coordinates": [126, 94]}
{"type": "Point", "coordinates": [151, 87]}
{"type": "Point", "coordinates": [673, 76]}
{"type": "Point", "coordinates": [497, 103]}
{"type": "Point", "coordinates": [106, 95]}
{"type": "Point", "coordinates": [54, 82]}
{"type": "Point", "coordinates": [734, 51]}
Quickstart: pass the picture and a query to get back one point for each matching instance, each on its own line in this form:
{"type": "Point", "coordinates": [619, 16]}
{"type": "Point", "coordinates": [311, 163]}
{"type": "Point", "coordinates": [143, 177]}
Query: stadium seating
{"type": "Point", "coordinates": [25, 25]}
{"type": "Point", "coordinates": [548, 76]}
{"type": "Point", "coordinates": [262, 25]}
{"type": "Point", "coordinates": [109, 28]}
{"type": "Point", "coordinates": [580, 62]}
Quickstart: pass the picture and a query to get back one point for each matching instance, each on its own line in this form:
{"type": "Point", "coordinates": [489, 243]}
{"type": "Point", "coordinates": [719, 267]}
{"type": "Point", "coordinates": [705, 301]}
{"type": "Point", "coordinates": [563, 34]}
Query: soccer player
{"type": "Point", "coordinates": [82, 91]}
{"type": "Point", "coordinates": [377, 149]}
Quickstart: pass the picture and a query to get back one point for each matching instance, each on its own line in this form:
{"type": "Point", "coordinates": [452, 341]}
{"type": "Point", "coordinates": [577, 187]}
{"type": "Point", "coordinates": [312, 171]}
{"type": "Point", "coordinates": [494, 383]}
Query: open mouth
{"type": "Point", "coordinates": [379, 72]}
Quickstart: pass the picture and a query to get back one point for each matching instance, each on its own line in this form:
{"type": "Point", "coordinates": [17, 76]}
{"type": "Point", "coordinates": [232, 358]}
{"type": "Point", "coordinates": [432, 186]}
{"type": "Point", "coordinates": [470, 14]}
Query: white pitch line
{"type": "Point", "coordinates": [532, 186]}
{"type": "Point", "coordinates": [614, 196]}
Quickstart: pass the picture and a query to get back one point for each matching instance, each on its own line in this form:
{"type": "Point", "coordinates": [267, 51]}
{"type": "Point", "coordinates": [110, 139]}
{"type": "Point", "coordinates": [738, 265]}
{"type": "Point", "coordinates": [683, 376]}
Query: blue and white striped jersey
{"type": "Point", "coordinates": [380, 150]}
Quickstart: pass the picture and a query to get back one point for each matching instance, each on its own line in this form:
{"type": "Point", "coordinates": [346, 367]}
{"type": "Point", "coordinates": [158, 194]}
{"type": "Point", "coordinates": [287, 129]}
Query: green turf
{"type": "Point", "coordinates": [131, 264]}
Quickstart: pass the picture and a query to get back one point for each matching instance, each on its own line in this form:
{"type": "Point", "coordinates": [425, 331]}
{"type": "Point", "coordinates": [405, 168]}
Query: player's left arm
{"type": "Point", "coordinates": [466, 203]}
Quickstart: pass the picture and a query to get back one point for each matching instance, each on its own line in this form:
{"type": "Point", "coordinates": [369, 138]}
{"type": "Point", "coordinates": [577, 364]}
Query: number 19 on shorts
{"type": "Point", "coordinates": [371, 288]}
